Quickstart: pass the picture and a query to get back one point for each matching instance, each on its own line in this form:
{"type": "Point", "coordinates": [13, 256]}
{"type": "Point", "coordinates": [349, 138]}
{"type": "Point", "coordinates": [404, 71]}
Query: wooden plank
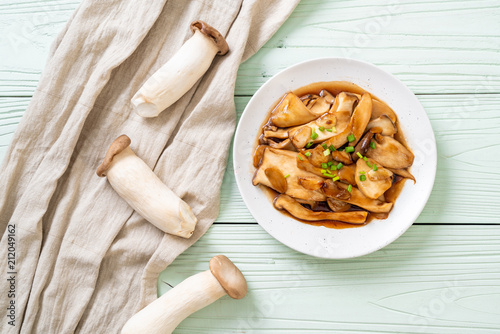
{"type": "Point", "coordinates": [433, 46]}
{"type": "Point", "coordinates": [434, 279]}
{"type": "Point", "coordinates": [467, 181]}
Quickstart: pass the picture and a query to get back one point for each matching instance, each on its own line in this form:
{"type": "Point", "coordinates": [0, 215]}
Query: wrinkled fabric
{"type": "Point", "coordinates": [85, 261]}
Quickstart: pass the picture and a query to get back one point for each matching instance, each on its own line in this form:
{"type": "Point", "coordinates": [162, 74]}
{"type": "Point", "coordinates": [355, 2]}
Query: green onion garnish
{"type": "Point", "coordinates": [336, 178]}
{"type": "Point", "coordinates": [314, 135]}
{"type": "Point", "coordinates": [351, 138]}
{"type": "Point", "coordinates": [349, 188]}
{"type": "Point", "coordinates": [334, 129]}
{"type": "Point", "coordinates": [340, 165]}
{"type": "Point", "coordinates": [324, 165]}
{"type": "Point", "coordinates": [323, 171]}
{"type": "Point", "coordinates": [349, 149]}
{"type": "Point", "coordinates": [369, 164]}
{"type": "Point", "coordinates": [361, 172]}
{"type": "Point", "coordinates": [326, 152]}
{"type": "Point", "coordinates": [321, 128]}
{"type": "Point", "coordinates": [307, 154]}
{"type": "Point", "coordinates": [324, 146]}
{"type": "Point", "coordinates": [375, 168]}
{"type": "Point", "coordinates": [372, 145]}
{"type": "Point", "coordinates": [287, 175]}
{"type": "Point", "coordinates": [332, 148]}
{"type": "Point", "coordinates": [365, 158]}
{"type": "Point", "coordinates": [333, 167]}
{"type": "Point", "coordinates": [328, 175]}
{"type": "Point", "coordinates": [359, 155]}
{"type": "Point", "coordinates": [309, 144]}
{"type": "Point", "coordinates": [329, 130]}
{"type": "Point", "coordinates": [300, 158]}
{"type": "Point", "coordinates": [362, 177]}
{"type": "Point", "coordinates": [330, 163]}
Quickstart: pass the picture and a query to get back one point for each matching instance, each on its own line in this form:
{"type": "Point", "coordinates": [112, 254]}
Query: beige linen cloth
{"type": "Point", "coordinates": [86, 261]}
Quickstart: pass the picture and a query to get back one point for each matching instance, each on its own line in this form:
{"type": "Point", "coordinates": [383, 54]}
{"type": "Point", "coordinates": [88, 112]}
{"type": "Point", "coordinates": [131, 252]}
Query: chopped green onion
{"type": "Point", "coordinates": [359, 155]}
{"type": "Point", "coordinates": [351, 138]}
{"type": "Point", "coordinates": [340, 165]}
{"type": "Point", "coordinates": [369, 164]}
{"type": "Point", "coordinates": [372, 145]}
{"type": "Point", "coordinates": [349, 188]}
{"type": "Point", "coordinates": [334, 129]}
{"type": "Point", "coordinates": [329, 130]}
{"type": "Point", "coordinates": [314, 135]}
{"type": "Point", "coordinates": [326, 152]}
{"type": "Point", "coordinates": [332, 148]}
{"type": "Point", "coordinates": [309, 144]}
{"type": "Point", "coordinates": [362, 177]}
{"type": "Point", "coordinates": [307, 154]}
{"type": "Point", "coordinates": [365, 158]}
{"type": "Point", "coordinates": [330, 163]}
{"type": "Point", "coordinates": [321, 128]}
{"type": "Point", "coordinates": [336, 178]}
{"type": "Point", "coordinates": [375, 168]}
{"type": "Point", "coordinates": [328, 175]}
{"type": "Point", "coordinates": [324, 146]}
{"type": "Point", "coordinates": [361, 172]}
{"type": "Point", "coordinates": [324, 165]}
{"type": "Point", "coordinates": [287, 175]}
{"type": "Point", "coordinates": [333, 167]}
{"type": "Point", "coordinates": [323, 171]}
{"type": "Point", "coordinates": [300, 158]}
{"type": "Point", "coordinates": [349, 149]}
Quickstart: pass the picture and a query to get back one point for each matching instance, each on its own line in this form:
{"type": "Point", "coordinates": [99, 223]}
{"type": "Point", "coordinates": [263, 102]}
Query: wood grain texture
{"type": "Point", "coordinates": [434, 279]}
{"type": "Point", "coordinates": [432, 46]}
{"type": "Point", "coordinates": [466, 129]}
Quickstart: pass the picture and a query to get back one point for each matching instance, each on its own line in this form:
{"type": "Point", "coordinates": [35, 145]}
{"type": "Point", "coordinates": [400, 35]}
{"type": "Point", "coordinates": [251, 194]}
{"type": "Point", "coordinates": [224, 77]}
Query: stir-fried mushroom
{"type": "Point", "coordinates": [282, 145]}
{"type": "Point", "coordinates": [290, 112]}
{"type": "Point", "coordinates": [342, 156]}
{"type": "Point", "coordinates": [257, 155]}
{"type": "Point", "coordinates": [337, 206]}
{"type": "Point", "coordinates": [311, 183]}
{"type": "Point", "coordinates": [390, 153]}
{"type": "Point", "coordinates": [338, 190]}
{"type": "Point", "coordinates": [404, 173]}
{"type": "Point", "coordinates": [284, 202]}
{"type": "Point", "coordinates": [362, 146]}
{"type": "Point", "coordinates": [376, 180]}
{"type": "Point", "coordinates": [320, 106]}
{"type": "Point", "coordinates": [383, 122]}
{"type": "Point", "coordinates": [348, 174]}
{"type": "Point", "coordinates": [277, 133]}
{"type": "Point", "coordinates": [380, 109]}
{"type": "Point", "coordinates": [284, 162]}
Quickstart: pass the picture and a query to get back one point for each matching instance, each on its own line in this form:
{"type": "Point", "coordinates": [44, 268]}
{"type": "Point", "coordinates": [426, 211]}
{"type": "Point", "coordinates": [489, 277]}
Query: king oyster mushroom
{"type": "Point", "coordinates": [284, 202]}
{"type": "Point", "coordinates": [346, 173]}
{"type": "Point", "coordinates": [378, 179]}
{"type": "Point", "coordinates": [291, 111]}
{"type": "Point", "coordinates": [403, 173]}
{"type": "Point", "coordinates": [338, 191]}
{"type": "Point", "coordinates": [275, 165]}
{"type": "Point", "coordinates": [390, 153]}
{"type": "Point", "coordinates": [388, 128]}
{"type": "Point", "coordinates": [380, 109]}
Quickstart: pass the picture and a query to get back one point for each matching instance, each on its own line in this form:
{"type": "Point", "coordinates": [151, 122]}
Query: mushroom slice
{"type": "Point", "coordinates": [181, 72]}
{"type": "Point", "coordinates": [278, 133]}
{"type": "Point", "coordinates": [311, 183]}
{"type": "Point", "coordinates": [380, 109]}
{"type": "Point", "coordinates": [277, 179]}
{"type": "Point", "coordinates": [328, 96]}
{"type": "Point", "coordinates": [356, 125]}
{"type": "Point", "coordinates": [312, 204]}
{"type": "Point", "coordinates": [383, 122]}
{"type": "Point", "coordinates": [290, 111]}
{"type": "Point", "coordinates": [283, 145]}
{"type": "Point", "coordinates": [376, 182]}
{"type": "Point", "coordinates": [285, 162]}
{"type": "Point", "coordinates": [301, 136]}
{"type": "Point", "coordinates": [284, 202]}
{"type": "Point", "coordinates": [317, 156]}
{"type": "Point", "coordinates": [338, 190]}
{"type": "Point", "coordinates": [304, 164]}
{"type": "Point", "coordinates": [390, 153]}
{"type": "Point", "coordinates": [257, 155]}
{"type": "Point", "coordinates": [342, 156]}
{"type": "Point", "coordinates": [362, 146]}
{"type": "Point", "coordinates": [404, 173]}
{"type": "Point", "coordinates": [348, 174]}
{"type": "Point", "coordinates": [337, 206]}
{"type": "Point", "coordinates": [321, 106]}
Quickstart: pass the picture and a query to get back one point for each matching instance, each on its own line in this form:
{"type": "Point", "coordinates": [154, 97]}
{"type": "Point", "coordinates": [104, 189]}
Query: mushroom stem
{"type": "Point", "coordinates": [194, 293]}
{"type": "Point", "coordinates": [136, 183]}
{"type": "Point", "coordinates": [181, 72]}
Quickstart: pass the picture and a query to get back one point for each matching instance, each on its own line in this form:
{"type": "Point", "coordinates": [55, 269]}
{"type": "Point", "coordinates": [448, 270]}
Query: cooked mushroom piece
{"type": "Point", "coordinates": [290, 111]}
{"type": "Point", "coordinates": [257, 155]}
{"type": "Point", "coordinates": [338, 190]}
{"type": "Point", "coordinates": [342, 156]}
{"type": "Point", "coordinates": [317, 155]}
{"type": "Point", "coordinates": [390, 153]}
{"type": "Point", "coordinates": [375, 182]}
{"type": "Point", "coordinates": [278, 133]}
{"type": "Point", "coordinates": [362, 146]}
{"type": "Point", "coordinates": [380, 109]}
{"type": "Point", "coordinates": [403, 173]}
{"type": "Point", "coordinates": [311, 183]}
{"type": "Point", "coordinates": [283, 162]}
{"type": "Point", "coordinates": [337, 206]}
{"type": "Point", "coordinates": [320, 106]}
{"type": "Point", "coordinates": [282, 145]}
{"type": "Point", "coordinates": [383, 122]}
{"type": "Point", "coordinates": [346, 173]}
{"type": "Point", "coordinates": [284, 202]}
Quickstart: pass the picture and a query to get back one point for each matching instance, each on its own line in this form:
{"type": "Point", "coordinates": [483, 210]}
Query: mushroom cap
{"type": "Point", "coordinates": [229, 276]}
{"type": "Point", "coordinates": [213, 33]}
{"type": "Point", "coordinates": [116, 147]}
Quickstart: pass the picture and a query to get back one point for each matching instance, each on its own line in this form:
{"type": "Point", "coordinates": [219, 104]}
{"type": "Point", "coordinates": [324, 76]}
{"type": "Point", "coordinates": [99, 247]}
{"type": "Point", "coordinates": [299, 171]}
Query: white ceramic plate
{"type": "Point", "coordinates": [317, 240]}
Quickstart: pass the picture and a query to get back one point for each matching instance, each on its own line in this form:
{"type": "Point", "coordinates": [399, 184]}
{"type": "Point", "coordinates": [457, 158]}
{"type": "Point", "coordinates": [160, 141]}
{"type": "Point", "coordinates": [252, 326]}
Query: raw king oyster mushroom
{"type": "Point", "coordinates": [136, 183]}
{"type": "Point", "coordinates": [332, 157]}
{"type": "Point", "coordinates": [181, 72]}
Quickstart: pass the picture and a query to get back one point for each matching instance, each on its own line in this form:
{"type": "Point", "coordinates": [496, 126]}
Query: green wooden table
{"type": "Point", "coordinates": [443, 275]}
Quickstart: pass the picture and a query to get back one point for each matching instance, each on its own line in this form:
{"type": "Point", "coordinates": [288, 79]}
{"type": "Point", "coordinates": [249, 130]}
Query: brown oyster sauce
{"type": "Point", "coordinates": [335, 88]}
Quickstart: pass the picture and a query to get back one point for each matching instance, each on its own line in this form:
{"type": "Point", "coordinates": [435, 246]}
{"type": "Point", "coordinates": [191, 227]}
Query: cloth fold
{"type": "Point", "coordinates": [85, 260]}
